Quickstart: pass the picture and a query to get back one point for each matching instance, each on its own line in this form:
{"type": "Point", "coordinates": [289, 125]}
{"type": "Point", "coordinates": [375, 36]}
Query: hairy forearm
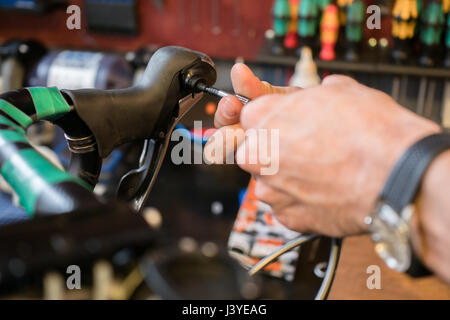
{"type": "Point", "coordinates": [431, 222]}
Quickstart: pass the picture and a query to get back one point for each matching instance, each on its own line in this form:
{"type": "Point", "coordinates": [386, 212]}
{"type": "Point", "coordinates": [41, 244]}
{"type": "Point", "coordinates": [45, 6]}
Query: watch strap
{"type": "Point", "coordinates": [404, 181]}
{"type": "Point", "coordinates": [417, 268]}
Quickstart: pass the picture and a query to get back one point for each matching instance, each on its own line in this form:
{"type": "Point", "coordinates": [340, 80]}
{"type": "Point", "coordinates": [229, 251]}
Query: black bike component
{"type": "Point", "coordinates": [148, 110]}
{"type": "Point", "coordinates": [144, 111]}
{"type": "Point", "coordinates": [85, 162]}
{"type": "Point", "coordinates": [137, 178]}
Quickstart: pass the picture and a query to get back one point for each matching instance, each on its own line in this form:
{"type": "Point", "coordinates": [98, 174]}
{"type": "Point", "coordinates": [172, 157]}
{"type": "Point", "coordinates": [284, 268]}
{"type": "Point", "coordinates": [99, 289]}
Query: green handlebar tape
{"type": "Point", "coordinates": [30, 174]}
{"type": "Point", "coordinates": [15, 113]}
{"type": "Point", "coordinates": [12, 136]}
{"type": "Point", "coordinates": [6, 122]}
{"type": "Point", "coordinates": [26, 170]}
{"type": "Point", "coordinates": [48, 102]}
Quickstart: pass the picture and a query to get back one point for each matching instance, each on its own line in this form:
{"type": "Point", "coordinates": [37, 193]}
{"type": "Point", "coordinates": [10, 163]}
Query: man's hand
{"type": "Point", "coordinates": [338, 143]}
{"type": "Point", "coordinates": [226, 119]}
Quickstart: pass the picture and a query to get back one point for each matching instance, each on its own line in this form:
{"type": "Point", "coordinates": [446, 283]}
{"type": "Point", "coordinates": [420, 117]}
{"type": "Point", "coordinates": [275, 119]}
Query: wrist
{"type": "Point", "coordinates": [397, 203]}
{"type": "Point", "coordinates": [431, 221]}
{"type": "Point", "coordinates": [402, 132]}
{"type": "Point", "coordinates": [412, 129]}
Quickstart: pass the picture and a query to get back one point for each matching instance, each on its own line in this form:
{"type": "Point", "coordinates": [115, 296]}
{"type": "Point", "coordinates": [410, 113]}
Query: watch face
{"type": "Point", "coordinates": [390, 232]}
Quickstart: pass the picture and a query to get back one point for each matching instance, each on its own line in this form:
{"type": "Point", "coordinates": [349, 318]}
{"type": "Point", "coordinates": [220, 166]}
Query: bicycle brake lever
{"type": "Point", "coordinates": [135, 186]}
{"type": "Point", "coordinates": [146, 111]}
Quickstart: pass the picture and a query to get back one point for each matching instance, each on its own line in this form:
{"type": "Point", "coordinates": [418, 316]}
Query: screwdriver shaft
{"type": "Point", "coordinates": [221, 93]}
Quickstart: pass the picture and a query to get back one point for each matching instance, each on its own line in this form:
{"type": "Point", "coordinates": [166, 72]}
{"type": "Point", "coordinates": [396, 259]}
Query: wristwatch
{"type": "Point", "coordinates": [389, 222]}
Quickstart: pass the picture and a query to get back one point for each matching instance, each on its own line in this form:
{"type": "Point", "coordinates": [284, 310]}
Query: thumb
{"type": "Point", "coordinates": [248, 85]}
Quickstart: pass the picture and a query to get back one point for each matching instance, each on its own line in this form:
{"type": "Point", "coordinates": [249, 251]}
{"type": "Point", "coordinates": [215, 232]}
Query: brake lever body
{"type": "Point", "coordinates": [148, 111]}
{"type": "Point", "coordinates": [135, 186]}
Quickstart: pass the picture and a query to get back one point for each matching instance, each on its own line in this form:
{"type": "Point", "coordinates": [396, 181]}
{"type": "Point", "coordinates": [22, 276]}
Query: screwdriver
{"type": "Point", "coordinates": [220, 93]}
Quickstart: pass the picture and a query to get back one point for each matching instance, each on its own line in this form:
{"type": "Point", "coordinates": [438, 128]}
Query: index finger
{"type": "Point", "coordinates": [228, 112]}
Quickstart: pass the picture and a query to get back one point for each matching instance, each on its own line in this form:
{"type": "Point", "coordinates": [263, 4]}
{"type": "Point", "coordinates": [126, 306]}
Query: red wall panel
{"type": "Point", "coordinates": [187, 23]}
